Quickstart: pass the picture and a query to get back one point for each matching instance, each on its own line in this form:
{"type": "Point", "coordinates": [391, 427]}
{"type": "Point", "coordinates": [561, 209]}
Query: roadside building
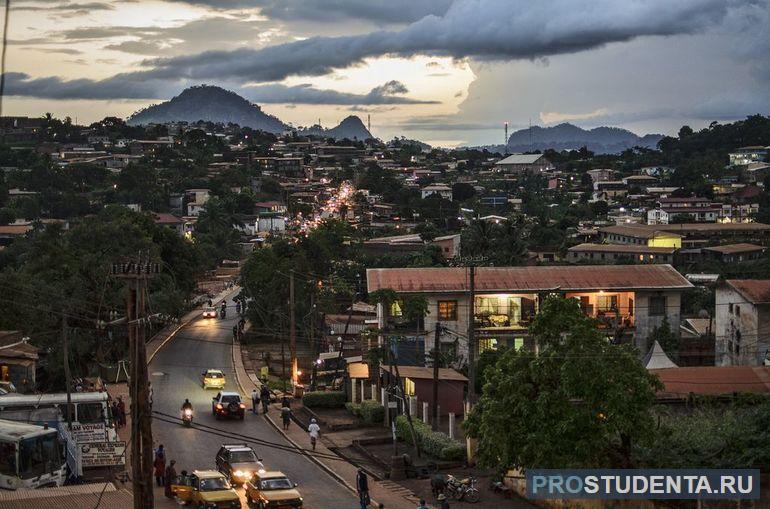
{"type": "Point", "coordinates": [628, 300]}
{"type": "Point", "coordinates": [418, 383]}
{"type": "Point", "coordinates": [742, 322]}
{"type": "Point", "coordinates": [639, 235]}
{"type": "Point", "coordinates": [18, 361]}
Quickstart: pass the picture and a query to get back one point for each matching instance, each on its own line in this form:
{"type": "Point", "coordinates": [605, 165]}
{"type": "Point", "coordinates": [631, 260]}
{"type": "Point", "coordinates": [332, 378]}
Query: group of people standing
{"type": "Point", "coordinates": [118, 408]}
{"type": "Point", "coordinates": [164, 475]}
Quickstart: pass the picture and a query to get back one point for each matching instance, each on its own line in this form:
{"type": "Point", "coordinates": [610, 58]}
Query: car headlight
{"type": "Point", "coordinates": [240, 473]}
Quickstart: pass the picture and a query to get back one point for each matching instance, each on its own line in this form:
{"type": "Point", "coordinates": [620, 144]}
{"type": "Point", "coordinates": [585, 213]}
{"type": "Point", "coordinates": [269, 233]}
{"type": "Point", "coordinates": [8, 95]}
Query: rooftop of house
{"type": "Point", "coordinates": [15, 229]}
{"type": "Point", "coordinates": [437, 187]}
{"type": "Point", "coordinates": [521, 159]}
{"type": "Point", "coordinates": [642, 231]}
{"type": "Point", "coordinates": [426, 373]}
{"type": "Point", "coordinates": [527, 279]}
{"type": "Point", "coordinates": [756, 291]}
{"type": "Point", "coordinates": [742, 247]}
{"type": "Point", "coordinates": [622, 248]}
{"type": "Point", "coordinates": [166, 218]}
{"type": "Point", "coordinates": [713, 380]}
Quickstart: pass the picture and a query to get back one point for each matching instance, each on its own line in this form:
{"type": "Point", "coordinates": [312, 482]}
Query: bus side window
{"type": "Point", "coordinates": [89, 413]}
{"type": "Point", "coordinates": [7, 458]}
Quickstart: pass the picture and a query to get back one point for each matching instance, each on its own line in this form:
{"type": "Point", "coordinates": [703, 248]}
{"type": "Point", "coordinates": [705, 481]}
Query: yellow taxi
{"type": "Point", "coordinates": [272, 490]}
{"type": "Point", "coordinates": [213, 379]}
{"type": "Point", "coordinates": [206, 489]}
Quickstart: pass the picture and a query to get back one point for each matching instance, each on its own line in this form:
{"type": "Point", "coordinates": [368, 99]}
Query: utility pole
{"type": "Point", "coordinates": [292, 330]}
{"type": "Point", "coordinates": [435, 355]}
{"type": "Point", "coordinates": [137, 274]}
{"type": "Point", "coordinates": [399, 387]}
{"type": "Point", "coordinates": [471, 334]}
{"type": "Point", "coordinates": [67, 374]}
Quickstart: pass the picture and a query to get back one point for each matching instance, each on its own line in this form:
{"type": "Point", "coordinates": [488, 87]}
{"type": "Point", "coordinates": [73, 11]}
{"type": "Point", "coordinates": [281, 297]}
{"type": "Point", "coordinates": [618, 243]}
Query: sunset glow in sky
{"type": "Point", "coordinates": [447, 72]}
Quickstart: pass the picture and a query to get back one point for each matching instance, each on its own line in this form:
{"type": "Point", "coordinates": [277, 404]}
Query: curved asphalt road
{"type": "Point", "coordinates": [175, 375]}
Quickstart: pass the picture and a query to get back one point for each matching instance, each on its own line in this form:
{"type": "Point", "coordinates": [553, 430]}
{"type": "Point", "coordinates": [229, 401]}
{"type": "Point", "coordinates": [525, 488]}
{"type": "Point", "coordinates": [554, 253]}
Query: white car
{"type": "Point", "coordinates": [209, 313]}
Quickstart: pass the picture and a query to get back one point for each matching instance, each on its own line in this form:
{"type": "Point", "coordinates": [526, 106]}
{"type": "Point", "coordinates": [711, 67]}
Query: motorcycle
{"type": "Point", "coordinates": [187, 417]}
{"type": "Point", "coordinates": [464, 489]}
{"type": "Point", "coordinates": [223, 313]}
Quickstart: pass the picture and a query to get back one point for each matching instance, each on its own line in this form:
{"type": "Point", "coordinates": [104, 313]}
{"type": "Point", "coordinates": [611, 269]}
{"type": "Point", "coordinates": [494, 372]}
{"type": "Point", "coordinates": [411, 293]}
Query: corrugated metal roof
{"type": "Point", "coordinates": [622, 248]}
{"type": "Point", "coordinates": [90, 489]}
{"type": "Point", "coordinates": [423, 373]}
{"type": "Point", "coordinates": [713, 380]}
{"type": "Point", "coordinates": [520, 159]}
{"type": "Point", "coordinates": [532, 279]}
{"type": "Point", "coordinates": [735, 248]}
{"type": "Point", "coordinates": [640, 231]}
{"type": "Point", "coordinates": [756, 291]}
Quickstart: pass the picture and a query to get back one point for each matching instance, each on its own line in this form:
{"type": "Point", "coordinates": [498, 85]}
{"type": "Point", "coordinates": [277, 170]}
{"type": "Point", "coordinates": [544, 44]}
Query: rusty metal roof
{"type": "Point", "coordinates": [424, 373]}
{"type": "Point", "coordinates": [713, 380]}
{"type": "Point", "coordinates": [528, 279]}
{"type": "Point", "coordinates": [742, 247]}
{"type": "Point", "coordinates": [756, 291]}
{"type": "Point", "coordinates": [622, 248]}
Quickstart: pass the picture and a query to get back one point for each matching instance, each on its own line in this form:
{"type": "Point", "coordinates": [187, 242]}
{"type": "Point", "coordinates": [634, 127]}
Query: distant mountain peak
{"type": "Point", "coordinates": [209, 103]}
{"type": "Point", "coordinates": [351, 127]}
{"type": "Point", "coordinates": [566, 136]}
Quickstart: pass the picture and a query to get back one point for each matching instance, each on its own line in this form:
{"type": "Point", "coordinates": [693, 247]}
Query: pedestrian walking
{"type": "Point", "coordinates": [314, 430]}
{"type": "Point", "coordinates": [422, 505]}
{"type": "Point", "coordinates": [254, 400]}
{"type": "Point", "coordinates": [264, 396]}
{"type": "Point", "coordinates": [170, 477]}
{"type": "Point", "coordinates": [114, 412]}
{"type": "Point", "coordinates": [160, 465]}
{"type": "Point", "coordinates": [286, 416]}
{"type": "Point", "coordinates": [444, 502]}
{"type": "Point", "coordinates": [121, 412]}
{"type": "Point", "coordinates": [362, 487]}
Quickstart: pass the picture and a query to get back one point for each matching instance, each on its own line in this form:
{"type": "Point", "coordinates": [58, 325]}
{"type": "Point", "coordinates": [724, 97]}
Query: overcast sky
{"type": "Point", "coordinates": [447, 72]}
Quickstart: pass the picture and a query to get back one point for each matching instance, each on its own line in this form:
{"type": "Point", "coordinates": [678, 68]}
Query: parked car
{"type": "Point", "coordinates": [228, 404]}
{"type": "Point", "coordinates": [206, 489]}
{"type": "Point", "coordinates": [238, 462]}
{"type": "Point", "coordinates": [272, 489]}
{"type": "Point", "coordinates": [213, 378]}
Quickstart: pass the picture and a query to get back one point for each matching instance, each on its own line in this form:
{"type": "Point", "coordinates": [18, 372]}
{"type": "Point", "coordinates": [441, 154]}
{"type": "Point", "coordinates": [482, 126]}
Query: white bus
{"type": "Point", "coordinates": [31, 456]}
{"type": "Point", "coordinates": [90, 413]}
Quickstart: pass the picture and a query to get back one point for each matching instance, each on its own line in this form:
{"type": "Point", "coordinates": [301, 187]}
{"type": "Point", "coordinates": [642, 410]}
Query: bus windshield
{"type": "Point", "coordinates": [39, 455]}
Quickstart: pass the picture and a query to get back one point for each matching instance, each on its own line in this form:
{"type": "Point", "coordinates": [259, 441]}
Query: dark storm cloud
{"type": "Point", "coordinates": [388, 93]}
{"type": "Point", "coordinates": [483, 29]}
{"type": "Point", "coordinates": [116, 87]}
{"type": "Point", "coordinates": [125, 86]}
{"type": "Point", "coordinates": [377, 11]}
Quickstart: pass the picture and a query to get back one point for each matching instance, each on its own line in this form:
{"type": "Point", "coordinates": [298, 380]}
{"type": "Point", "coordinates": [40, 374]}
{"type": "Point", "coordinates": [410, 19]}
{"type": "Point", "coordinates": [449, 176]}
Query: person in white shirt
{"type": "Point", "coordinates": [314, 430]}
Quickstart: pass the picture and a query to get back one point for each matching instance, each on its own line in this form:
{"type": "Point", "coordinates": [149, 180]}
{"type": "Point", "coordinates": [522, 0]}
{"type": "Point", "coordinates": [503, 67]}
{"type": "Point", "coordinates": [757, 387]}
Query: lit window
{"type": "Point", "coordinates": [395, 308]}
{"type": "Point", "coordinates": [487, 344]}
{"type": "Point", "coordinates": [607, 302]}
{"type": "Point", "coordinates": [518, 343]}
{"type": "Point", "coordinates": [447, 310]}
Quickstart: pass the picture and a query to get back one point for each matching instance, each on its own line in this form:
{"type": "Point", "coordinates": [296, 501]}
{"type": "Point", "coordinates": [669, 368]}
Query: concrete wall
{"type": "Point", "coordinates": [751, 321]}
{"type": "Point", "coordinates": [646, 323]}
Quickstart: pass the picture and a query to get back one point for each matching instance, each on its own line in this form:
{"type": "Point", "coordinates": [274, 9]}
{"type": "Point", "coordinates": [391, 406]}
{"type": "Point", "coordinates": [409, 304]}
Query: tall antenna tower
{"type": "Point", "coordinates": [530, 134]}
{"type": "Point", "coordinates": [505, 140]}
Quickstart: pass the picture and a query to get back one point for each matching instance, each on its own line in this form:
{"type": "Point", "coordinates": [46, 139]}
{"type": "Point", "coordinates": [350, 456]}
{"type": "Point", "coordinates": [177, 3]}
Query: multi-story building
{"type": "Point", "coordinates": [748, 155]}
{"type": "Point", "coordinates": [627, 300]}
{"type": "Point", "coordinates": [742, 322]}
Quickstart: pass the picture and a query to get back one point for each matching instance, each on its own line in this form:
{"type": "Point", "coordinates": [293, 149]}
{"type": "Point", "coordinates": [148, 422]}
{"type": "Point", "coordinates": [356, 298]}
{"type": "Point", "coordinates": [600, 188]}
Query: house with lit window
{"type": "Point", "coordinates": [628, 301]}
{"type": "Point", "coordinates": [742, 322]}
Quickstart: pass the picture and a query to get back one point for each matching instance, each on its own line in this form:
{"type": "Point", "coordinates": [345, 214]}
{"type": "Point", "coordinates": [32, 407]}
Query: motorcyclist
{"type": "Point", "coordinates": [186, 405]}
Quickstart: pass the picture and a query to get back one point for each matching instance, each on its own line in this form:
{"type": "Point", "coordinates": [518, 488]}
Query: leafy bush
{"type": "Point", "coordinates": [435, 443]}
{"type": "Point", "coordinates": [372, 412]}
{"type": "Point", "coordinates": [368, 411]}
{"type": "Point", "coordinates": [324, 399]}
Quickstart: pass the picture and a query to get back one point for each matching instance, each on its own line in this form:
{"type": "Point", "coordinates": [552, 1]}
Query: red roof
{"type": "Point", "coordinates": [713, 380]}
{"type": "Point", "coordinates": [535, 278]}
{"type": "Point", "coordinates": [165, 218]}
{"type": "Point", "coordinates": [756, 291]}
{"type": "Point", "coordinates": [741, 247]}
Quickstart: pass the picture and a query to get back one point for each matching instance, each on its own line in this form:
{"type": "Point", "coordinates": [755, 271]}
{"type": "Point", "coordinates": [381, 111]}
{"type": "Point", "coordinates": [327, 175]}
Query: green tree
{"type": "Point", "coordinates": [666, 338]}
{"type": "Point", "coordinates": [551, 410]}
